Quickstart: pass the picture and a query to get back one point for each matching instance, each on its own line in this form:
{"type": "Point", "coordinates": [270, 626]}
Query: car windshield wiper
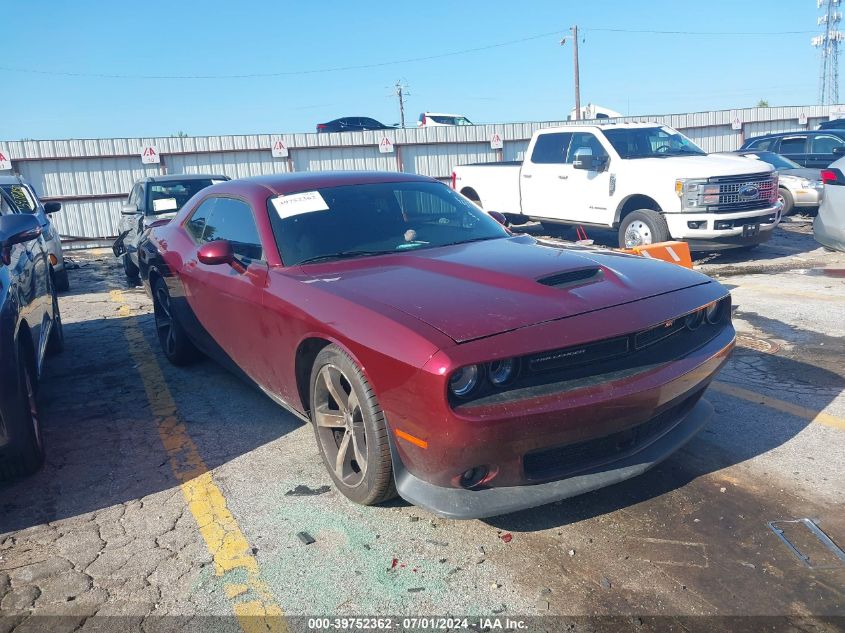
{"type": "Point", "coordinates": [343, 255]}
{"type": "Point", "coordinates": [474, 239]}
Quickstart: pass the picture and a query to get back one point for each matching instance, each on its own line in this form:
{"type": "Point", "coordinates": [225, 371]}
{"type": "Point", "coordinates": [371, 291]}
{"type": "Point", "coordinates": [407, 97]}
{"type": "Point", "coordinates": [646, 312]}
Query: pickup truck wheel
{"type": "Point", "coordinates": [786, 200]}
{"type": "Point", "coordinates": [350, 429]}
{"type": "Point", "coordinates": [642, 227]}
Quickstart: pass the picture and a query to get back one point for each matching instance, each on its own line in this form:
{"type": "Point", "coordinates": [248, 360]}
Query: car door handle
{"type": "Point", "coordinates": [526, 175]}
{"type": "Point", "coordinates": [563, 176]}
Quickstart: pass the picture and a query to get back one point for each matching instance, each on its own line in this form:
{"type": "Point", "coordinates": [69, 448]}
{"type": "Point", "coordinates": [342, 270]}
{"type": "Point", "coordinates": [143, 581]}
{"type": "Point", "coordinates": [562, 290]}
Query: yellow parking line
{"type": "Point", "coordinates": [253, 602]}
{"type": "Point", "coordinates": [819, 417]}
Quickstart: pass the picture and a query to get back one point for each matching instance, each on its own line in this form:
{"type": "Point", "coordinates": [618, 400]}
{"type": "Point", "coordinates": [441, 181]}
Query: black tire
{"type": "Point", "coordinates": [355, 417]}
{"type": "Point", "coordinates": [25, 452]}
{"type": "Point", "coordinates": [61, 280]}
{"type": "Point", "coordinates": [788, 201]}
{"type": "Point", "coordinates": [175, 344]}
{"type": "Point", "coordinates": [129, 267]}
{"type": "Point", "coordinates": [56, 342]}
{"type": "Point", "coordinates": [517, 219]}
{"type": "Point", "coordinates": [553, 228]}
{"type": "Point", "coordinates": [650, 227]}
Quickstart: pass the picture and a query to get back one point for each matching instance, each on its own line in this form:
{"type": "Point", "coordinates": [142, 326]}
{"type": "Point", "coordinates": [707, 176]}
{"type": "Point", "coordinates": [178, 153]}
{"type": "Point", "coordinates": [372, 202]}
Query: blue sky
{"type": "Point", "coordinates": [636, 73]}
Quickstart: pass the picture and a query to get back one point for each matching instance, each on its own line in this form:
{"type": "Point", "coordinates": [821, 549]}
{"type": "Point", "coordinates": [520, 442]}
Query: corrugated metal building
{"type": "Point", "coordinates": [91, 177]}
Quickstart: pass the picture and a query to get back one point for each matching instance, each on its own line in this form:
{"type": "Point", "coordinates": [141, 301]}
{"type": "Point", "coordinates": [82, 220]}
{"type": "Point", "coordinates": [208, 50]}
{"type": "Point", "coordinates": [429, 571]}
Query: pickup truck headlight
{"type": "Point", "coordinates": [694, 192]}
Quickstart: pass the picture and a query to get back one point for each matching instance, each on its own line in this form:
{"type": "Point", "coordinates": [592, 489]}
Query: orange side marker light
{"type": "Point", "coordinates": [410, 438]}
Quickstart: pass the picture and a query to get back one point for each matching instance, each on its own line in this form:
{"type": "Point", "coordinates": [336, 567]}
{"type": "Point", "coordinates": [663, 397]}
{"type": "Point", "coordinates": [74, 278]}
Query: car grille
{"type": "Point", "coordinates": [730, 198]}
{"type": "Point", "coordinates": [561, 461]}
{"type": "Point", "coordinates": [565, 369]}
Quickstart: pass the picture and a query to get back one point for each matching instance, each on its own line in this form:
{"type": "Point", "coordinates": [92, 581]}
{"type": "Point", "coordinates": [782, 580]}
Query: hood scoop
{"type": "Point", "coordinates": [572, 278]}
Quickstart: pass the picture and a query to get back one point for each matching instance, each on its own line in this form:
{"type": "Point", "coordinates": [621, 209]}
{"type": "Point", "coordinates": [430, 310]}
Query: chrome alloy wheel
{"type": "Point", "coordinates": [164, 320]}
{"type": "Point", "coordinates": [340, 425]}
{"type": "Point", "coordinates": [638, 233]}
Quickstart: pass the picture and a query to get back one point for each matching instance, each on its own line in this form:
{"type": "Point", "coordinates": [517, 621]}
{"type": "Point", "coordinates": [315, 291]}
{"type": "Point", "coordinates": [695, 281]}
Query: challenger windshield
{"type": "Point", "coordinates": [651, 142]}
{"type": "Point", "coordinates": [375, 219]}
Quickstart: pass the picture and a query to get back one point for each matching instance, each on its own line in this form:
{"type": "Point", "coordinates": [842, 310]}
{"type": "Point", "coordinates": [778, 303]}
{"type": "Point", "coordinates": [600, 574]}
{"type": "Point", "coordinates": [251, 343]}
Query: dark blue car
{"type": "Point", "coordinates": [30, 329]}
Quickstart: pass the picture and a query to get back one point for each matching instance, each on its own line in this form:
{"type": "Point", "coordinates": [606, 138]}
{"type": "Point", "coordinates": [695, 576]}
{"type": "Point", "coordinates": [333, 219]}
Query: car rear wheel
{"type": "Point", "coordinates": [642, 227]}
{"type": "Point", "coordinates": [350, 429]}
{"type": "Point", "coordinates": [786, 199]}
{"type": "Point", "coordinates": [175, 344]}
{"type": "Point", "coordinates": [129, 267]}
{"type": "Point", "coordinates": [25, 452]}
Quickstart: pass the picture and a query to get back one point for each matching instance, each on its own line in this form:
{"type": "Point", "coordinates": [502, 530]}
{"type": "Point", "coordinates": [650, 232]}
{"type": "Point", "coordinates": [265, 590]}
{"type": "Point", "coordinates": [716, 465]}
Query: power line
{"type": "Point", "coordinates": [725, 33]}
{"type": "Point", "coordinates": [316, 71]}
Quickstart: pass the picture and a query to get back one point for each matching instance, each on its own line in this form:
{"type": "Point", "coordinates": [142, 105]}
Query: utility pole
{"type": "Point", "coordinates": [401, 93]}
{"type": "Point", "coordinates": [574, 31]}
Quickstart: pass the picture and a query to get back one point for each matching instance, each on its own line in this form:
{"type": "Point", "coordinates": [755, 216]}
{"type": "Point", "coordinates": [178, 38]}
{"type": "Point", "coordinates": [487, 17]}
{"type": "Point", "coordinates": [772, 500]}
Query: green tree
{"type": "Point", "coordinates": [763, 103]}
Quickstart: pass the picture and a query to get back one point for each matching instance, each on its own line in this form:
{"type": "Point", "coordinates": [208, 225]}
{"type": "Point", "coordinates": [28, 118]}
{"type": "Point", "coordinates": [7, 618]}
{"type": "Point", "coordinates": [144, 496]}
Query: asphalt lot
{"type": "Point", "coordinates": [180, 491]}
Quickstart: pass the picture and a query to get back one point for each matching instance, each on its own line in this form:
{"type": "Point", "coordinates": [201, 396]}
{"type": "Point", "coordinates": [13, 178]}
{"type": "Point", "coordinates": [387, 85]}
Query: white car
{"type": "Point", "coordinates": [439, 119]}
{"type": "Point", "coordinates": [829, 225]}
{"type": "Point", "coordinates": [646, 180]}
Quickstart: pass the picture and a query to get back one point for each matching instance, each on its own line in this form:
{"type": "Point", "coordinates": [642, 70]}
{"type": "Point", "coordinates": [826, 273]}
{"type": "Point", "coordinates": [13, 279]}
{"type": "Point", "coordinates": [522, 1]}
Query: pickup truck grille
{"type": "Point", "coordinates": [744, 193]}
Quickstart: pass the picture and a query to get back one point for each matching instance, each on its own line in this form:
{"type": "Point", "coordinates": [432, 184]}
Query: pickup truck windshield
{"type": "Point", "coordinates": [375, 219]}
{"type": "Point", "coordinates": [651, 142]}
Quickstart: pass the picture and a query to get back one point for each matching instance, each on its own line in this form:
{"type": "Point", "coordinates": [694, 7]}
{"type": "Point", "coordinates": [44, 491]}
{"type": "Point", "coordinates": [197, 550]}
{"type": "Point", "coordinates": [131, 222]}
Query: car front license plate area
{"type": "Point", "coordinates": [751, 230]}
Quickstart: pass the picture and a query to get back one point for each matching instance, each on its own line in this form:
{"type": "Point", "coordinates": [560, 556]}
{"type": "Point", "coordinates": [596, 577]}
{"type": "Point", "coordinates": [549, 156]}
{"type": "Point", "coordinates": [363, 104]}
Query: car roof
{"type": "Point", "coordinates": [181, 177]}
{"type": "Point", "coordinates": [443, 114]}
{"type": "Point", "coordinates": [280, 184]}
{"type": "Point", "coordinates": [795, 133]}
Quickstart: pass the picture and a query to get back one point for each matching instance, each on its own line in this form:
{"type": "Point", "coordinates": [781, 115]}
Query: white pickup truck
{"type": "Point", "coordinates": [645, 179]}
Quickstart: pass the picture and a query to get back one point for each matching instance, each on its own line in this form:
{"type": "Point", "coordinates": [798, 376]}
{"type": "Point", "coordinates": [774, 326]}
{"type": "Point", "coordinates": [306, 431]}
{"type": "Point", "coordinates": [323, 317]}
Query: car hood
{"type": "Point", "coordinates": [475, 290]}
{"type": "Point", "coordinates": [804, 172]}
{"type": "Point", "coordinates": [703, 166]}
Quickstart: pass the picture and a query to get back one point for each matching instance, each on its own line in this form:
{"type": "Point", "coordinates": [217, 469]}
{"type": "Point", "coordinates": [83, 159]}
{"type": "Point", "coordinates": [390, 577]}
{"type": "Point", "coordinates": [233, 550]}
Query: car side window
{"type": "Point", "coordinates": [825, 144]}
{"type": "Point", "coordinates": [582, 141]}
{"type": "Point", "coordinates": [232, 220]}
{"type": "Point", "coordinates": [551, 148]}
{"type": "Point", "coordinates": [762, 144]}
{"type": "Point", "coordinates": [195, 226]}
{"type": "Point", "coordinates": [793, 145]}
{"type": "Point", "coordinates": [5, 207]}
{"type": "Point", "coordinates": [21, 198]}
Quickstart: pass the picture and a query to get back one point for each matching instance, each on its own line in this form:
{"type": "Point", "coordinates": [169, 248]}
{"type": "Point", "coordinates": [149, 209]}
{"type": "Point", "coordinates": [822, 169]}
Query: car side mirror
{"type": "Point", "coordinates": [499, 217]}
{"type": "Point", "coordinates": [17, 229]}
{"type": "Point", "coordinates": [584, 159]}
{"type": "Point", "coordinates": [839, 151]}
{"type": "Point", "coordinates": [129, 209]}
{"type": "Point", "coordinates": [219, 252]}
{"type": "Point", "coordinates": [52, 207]}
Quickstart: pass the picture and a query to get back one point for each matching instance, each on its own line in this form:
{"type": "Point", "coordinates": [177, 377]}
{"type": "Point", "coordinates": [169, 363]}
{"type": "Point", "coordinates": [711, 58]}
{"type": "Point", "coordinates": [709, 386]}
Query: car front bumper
{"type": "Point", "coordinates": [735, 234]}
{"type": "Point", "coordinates": [554, 444]}
{"type": "Point", "coordinates": [459, 503]}
{"type": "Point", "coordinates": [807, 196]}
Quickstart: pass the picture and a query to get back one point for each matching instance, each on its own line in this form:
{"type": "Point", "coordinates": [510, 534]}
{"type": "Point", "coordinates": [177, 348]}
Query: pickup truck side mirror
{"type": "Point", "coordinates": [128, 209]}
{"type": "Point", "coordinates": [584, 159]}
{"type": "Point", "coordinates": [499, 217]}
{"type": "Point", "coordinates": [52, 207]}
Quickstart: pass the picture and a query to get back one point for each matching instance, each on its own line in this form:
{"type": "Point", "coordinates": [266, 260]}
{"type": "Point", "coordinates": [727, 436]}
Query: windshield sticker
{"type": "Point", "coordinates": [164, 204]}
{"type": "Point", "coordinates": [299, 203]}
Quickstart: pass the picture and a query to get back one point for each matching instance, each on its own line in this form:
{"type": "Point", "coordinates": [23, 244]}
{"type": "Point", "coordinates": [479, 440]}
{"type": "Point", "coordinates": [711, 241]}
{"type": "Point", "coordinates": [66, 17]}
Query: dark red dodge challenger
{"type": "Point", "coordinates": [437, 355]}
